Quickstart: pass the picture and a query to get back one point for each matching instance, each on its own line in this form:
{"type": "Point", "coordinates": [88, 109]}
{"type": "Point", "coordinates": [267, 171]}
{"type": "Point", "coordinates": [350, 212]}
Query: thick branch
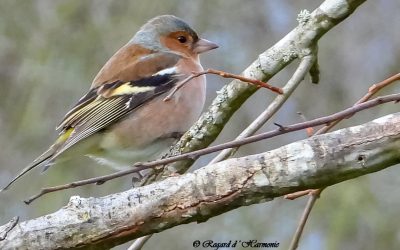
{"type": "Point", "coordinates": [300, 42]}
{"type": "Point", "coordinates": [236, 143]}
{"type": "Point", "coordinates": [315, 194]}
{"type": "Point", "coordinates": [316, 162]}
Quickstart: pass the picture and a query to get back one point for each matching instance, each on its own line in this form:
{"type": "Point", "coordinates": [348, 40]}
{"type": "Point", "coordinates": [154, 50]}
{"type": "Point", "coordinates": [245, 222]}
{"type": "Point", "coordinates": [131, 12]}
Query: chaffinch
{"type": "Point", "coordinates": [124, 118]}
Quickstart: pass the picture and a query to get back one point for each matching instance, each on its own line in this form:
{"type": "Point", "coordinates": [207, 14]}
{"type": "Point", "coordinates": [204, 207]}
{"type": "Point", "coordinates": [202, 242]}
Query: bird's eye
{"type": "Point", "coordinates": [182, 39]}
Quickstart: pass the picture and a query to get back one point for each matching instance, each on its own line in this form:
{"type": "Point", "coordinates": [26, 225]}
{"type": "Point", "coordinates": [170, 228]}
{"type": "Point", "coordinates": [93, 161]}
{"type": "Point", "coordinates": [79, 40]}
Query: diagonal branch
{"type": "Point", "coordinates": [8, 227]}
{"type": "Point", "coordinates": [232, 144]}
{"type": "Point", "coordinates": [100, 223]}
{"type": "Point", "coordinates": [315, 194]}
{"type": "Point", "coordinates": [223, 74]}
{"type": "Point", "coordinates": [300, 42]}
{"type": "Point", "coordinates": [304, 66]}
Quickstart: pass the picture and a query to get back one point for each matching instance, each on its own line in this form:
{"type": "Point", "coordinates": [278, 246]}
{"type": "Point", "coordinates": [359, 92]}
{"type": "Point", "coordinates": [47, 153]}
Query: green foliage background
{"type": "Point", "coordinates": [51, 50]}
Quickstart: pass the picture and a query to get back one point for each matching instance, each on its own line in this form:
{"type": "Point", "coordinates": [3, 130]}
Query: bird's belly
{"type": "Point", "coordinates": [147, 131]}
{"type": "Point", "coordinates": [122, 158]}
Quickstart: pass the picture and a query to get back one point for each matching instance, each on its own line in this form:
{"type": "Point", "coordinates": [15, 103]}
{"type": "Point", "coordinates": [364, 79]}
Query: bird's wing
{"type": "Point", "coordinates": [106, 103]}
{"type": "Point", "coordinates": [109, 102]}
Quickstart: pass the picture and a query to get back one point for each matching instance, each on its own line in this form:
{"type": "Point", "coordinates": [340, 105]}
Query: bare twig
{"type": "Point", "coordinates": [245, 79]}
{"type": "Point", "coordinates": [8, 227]}
{"type": "Point", "coordinates": [304, 217]}
{"type": "Point", "coordinates": [104, 222]}
{"type": "Point", "coordinates": [375, 88]}
{"type": "Point", "coordinates": [315, 193]}
{"type": "Point", "coordinates": [290, 128]}
{"type": "Point", "coordinates": [139, 243]}
{"type": "Point", "coordinates": [298, 194]}
{"type": "Point", "coordinates": [180, 85]}
{"type": "Point", "coordinates": [310, 130]}
{"type": "Point", "coordinates": [304, 66]}
{"type": "Point", "coordinates": [295, 195]}
{"type": "Point", "coordinates": [224, 75]}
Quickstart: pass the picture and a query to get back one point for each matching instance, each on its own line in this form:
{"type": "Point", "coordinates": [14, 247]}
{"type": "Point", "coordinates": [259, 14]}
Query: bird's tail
{"type": "Point", "coordinates": [44, 159]}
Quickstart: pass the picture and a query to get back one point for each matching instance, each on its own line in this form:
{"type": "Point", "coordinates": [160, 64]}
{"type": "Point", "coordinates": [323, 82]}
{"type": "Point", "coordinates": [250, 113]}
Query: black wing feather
{"type": "Point", "coordinates": [96, 112]}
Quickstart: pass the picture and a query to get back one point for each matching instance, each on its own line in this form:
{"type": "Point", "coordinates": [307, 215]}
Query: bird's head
{"type": "Point", "coordinates": [168, 32]}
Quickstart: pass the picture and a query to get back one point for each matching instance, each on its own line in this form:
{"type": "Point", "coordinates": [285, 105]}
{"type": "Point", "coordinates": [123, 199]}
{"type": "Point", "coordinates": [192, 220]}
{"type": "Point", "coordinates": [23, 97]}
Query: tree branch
{"type": "Point", "coordinates": [223, 74]}
{"type": "Point", "coordinates": [232, 144]}
{"type": "Point", "coordinates": [315, 194]}
{"type": "Point", "coordinates": [8, 227]}
{"type": "Point", "coordinates": [298, 76]}
{"type": "Point", "coordinates": [320, 161]}
{"type": "Point", "coordinates": [300, 42]}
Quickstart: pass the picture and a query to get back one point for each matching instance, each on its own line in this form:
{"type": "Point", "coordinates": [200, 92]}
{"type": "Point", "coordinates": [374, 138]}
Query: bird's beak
{"type": "Point", "coordinates": [203, 45]}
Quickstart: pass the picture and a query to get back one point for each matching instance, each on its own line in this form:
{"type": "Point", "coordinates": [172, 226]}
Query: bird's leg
{"type": "Point", "coordinates": [136, 178]}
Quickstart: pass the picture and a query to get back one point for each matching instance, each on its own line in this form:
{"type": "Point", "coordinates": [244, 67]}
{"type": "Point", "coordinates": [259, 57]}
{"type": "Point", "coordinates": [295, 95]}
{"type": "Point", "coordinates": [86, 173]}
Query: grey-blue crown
{"type": "Point", "coordinates": [149, 33]}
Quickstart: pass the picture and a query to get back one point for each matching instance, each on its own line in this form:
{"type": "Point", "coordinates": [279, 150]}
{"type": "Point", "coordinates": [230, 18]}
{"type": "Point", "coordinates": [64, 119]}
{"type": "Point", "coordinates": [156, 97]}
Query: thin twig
{"type": "Point", "coordinates": [295, 195]}
{"type": "Point", "coordinates": [315, 193]}
{"type": "Point", "coordinates": [290, 128]}
{"type": "Point", "coordinates": [224, 75]}
{"type": "Point", "coordinates": [298, 194]}
{"type": "Point", "coordinates": [304, 217]}
{"type": "Point", "coordinates": [298, 76]}
{"type": "Point", "coordinates": [245, 79]}
{"type": "Point", "coordinates": [139, 243]}
{"type": "Point", "coordinates": [310, 130]}
{"type": "Point", "coordinates": [276, 104]}
{"type": "Point", "coordinates": [375, 88]}
{"type": "Point", "coordinates": [8, 227]}
{"type": "Point", "coordinates": [181, 84]}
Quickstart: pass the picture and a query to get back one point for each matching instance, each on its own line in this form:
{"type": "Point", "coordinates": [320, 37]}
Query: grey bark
{"type": "Point", "coordinates": [300, 42]}
{"type": "Point", "coordinates": [99, 223]}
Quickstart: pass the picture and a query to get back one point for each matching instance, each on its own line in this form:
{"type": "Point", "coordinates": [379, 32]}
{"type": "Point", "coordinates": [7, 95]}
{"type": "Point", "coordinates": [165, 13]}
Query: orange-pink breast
{"type": "Point", "coordinates": [158, 118]}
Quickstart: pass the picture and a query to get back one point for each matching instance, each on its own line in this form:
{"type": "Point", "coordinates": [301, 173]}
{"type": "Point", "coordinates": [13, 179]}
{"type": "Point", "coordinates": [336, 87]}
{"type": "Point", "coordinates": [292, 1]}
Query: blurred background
{"type": "Point", "coordinates": [51, 50]}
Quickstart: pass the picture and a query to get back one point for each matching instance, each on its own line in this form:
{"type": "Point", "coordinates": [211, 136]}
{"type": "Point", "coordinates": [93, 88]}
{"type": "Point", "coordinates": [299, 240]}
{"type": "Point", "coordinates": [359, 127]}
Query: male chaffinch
{"type": "Point", "coordinates": [124, 118]}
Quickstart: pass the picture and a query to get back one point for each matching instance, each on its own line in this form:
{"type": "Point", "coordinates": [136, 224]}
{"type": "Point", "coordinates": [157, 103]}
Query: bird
{"type": "Point", "coordinates": [124, 117]}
